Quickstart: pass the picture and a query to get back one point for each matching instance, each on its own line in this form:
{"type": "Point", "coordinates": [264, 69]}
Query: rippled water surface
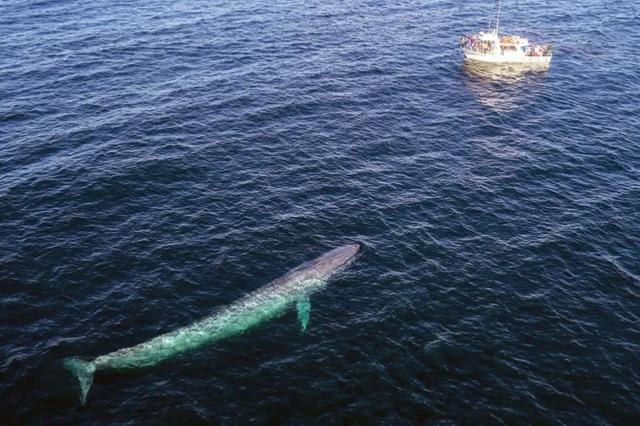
{"type": "Point", "coordinates": [161, 158]}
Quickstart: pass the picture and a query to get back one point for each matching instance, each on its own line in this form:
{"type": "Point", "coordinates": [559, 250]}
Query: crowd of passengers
{"type": "Point", "coordinates": [507, 43]}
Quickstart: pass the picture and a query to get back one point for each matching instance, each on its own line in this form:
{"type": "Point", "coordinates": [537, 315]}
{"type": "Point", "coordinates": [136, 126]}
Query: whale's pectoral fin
{"type": "Point", "coordinates": [304, 309]}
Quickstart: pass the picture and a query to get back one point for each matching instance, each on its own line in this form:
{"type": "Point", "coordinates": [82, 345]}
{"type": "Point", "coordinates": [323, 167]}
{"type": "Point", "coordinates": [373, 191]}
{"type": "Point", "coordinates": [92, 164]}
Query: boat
{"type": "Point", "coordinates": [494, 48]}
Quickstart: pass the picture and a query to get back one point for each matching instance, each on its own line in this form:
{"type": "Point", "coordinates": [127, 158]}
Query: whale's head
{"type": "Point", "coordinates": [335, 260]}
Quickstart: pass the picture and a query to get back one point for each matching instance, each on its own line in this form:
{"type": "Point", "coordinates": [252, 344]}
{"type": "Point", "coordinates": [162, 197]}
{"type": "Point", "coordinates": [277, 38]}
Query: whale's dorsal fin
{"type": "Point", "coordinates": [303, 306]}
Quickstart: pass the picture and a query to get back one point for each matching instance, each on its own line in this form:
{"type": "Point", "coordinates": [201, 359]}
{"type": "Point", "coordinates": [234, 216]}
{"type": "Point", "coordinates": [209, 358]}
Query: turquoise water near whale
{"type": "Point", "coordinates": [160, 159]}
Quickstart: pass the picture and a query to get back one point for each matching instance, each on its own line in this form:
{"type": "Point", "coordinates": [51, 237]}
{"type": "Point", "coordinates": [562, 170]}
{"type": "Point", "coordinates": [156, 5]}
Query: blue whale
{"type": "Point", "coordinates": [269, 301]}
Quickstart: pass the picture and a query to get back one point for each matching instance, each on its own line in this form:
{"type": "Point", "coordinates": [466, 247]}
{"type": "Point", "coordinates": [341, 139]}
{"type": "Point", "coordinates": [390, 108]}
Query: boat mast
{"type": "Point", "coordinates": [498, 18]}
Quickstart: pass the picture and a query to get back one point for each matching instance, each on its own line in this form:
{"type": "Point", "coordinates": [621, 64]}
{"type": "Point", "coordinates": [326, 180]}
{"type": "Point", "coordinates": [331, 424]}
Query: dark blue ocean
{"type": "Point", "coordinates": [159, 159]}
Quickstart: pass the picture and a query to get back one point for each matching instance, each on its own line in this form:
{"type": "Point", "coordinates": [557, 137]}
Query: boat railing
{"type": "Point", "coordinates": [476, 45]}
{"type": "Point", "coordinates": [540, 50]}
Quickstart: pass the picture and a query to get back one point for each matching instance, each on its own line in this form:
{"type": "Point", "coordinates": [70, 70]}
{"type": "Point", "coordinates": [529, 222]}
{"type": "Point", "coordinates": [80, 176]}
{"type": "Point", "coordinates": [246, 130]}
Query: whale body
{"type": "Point", "coordinates": [269, 301]}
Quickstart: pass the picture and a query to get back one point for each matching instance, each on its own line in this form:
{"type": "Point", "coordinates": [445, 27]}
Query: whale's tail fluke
{"type": "Point", "coordinates": [83, 370]}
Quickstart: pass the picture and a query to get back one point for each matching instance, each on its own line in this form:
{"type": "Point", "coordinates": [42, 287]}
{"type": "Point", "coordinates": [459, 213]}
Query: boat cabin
{"type": "Point", "coordinates": [499, 48]}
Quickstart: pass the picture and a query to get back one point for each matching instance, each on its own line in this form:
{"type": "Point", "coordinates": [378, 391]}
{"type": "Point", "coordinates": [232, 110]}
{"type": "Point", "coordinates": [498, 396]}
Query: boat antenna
{"type": "Point", "coordinates": [498, 18]}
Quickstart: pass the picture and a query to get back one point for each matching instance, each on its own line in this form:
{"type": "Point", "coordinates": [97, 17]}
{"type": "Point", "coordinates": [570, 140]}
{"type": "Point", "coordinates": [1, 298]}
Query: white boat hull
{"type": "Point", "coordinates": [509, 58]}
